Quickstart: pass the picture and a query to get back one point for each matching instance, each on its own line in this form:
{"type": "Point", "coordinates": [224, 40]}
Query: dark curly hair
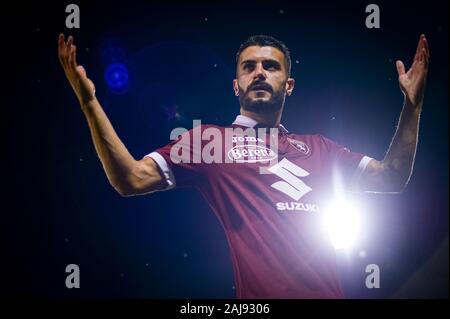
{"type": "Point", "coordinates": [266, 40]}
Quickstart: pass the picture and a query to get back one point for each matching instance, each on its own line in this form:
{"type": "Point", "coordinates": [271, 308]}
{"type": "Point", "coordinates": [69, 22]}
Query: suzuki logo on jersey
{"type": "Point", "coordinates": [292, 186]}
{"type": "Point", "coordinates": [290, 173]}
{"type": "Point", "coordinates": [298, 206]}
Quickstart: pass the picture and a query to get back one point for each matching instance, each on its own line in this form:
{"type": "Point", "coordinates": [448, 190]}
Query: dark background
{"type": "Point", "coordinates": [60, 209]}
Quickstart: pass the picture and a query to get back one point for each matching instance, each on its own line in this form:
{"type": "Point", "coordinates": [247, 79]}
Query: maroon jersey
{"type": "Point", "coordinates": [270, 210]}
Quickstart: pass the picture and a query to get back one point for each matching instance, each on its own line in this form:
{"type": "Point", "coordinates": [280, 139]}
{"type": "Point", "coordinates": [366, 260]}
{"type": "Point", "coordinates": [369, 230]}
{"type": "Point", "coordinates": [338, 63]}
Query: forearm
{"type": "Point", "coordinates": [399, 159]}
{"type": "Point", "coordinates": [117, 161]}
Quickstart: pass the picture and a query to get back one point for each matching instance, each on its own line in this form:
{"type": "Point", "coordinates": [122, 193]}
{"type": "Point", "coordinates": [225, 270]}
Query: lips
{"type": "Point", "coordinates": [261, 88]}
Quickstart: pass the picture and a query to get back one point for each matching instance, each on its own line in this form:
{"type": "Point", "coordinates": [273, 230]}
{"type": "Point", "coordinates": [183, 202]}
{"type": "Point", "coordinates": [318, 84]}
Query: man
{"type": "Point", "coordinates": [271, 217]}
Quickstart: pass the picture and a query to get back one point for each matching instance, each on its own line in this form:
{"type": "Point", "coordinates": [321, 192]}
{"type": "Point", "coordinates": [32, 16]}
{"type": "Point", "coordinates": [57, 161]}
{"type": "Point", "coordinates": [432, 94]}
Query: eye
{"type": "Point", "coordinates": [271, 66]}
{"type": "Point", "coordinates": [248, 67]}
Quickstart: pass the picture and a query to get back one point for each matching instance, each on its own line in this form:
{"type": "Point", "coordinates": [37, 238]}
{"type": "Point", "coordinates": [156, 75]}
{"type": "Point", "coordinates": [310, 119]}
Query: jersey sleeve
{"type": "Point", "coordinates": [178, 161]}
{"type": "Point", "coordinates": [346, 166]}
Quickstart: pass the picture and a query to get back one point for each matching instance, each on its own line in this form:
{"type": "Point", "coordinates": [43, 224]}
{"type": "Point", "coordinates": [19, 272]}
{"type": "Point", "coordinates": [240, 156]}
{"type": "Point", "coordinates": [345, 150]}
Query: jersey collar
{"type": "Point", "coordinates": [246, 121]}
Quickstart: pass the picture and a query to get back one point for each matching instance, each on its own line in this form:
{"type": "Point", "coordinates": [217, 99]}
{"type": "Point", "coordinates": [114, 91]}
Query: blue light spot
{"type": "Point", "coordinates": [116, 77]}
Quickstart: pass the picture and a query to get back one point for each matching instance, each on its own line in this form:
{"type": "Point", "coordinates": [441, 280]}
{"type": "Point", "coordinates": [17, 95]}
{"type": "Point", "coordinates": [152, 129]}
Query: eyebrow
{"type": "Point", "coordinates": [266, 60]}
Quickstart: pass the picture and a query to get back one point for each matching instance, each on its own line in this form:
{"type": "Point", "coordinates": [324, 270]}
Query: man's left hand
{"type": "Point", "coordinates": [412, 83]}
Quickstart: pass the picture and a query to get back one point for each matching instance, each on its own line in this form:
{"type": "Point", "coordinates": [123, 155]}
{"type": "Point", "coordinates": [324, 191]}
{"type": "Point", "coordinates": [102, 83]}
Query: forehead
{"type": "Point", "coordinates": [258, 53]}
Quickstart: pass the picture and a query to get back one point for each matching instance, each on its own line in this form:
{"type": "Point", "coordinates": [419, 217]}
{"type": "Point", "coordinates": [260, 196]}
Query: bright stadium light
{"type": "Point", "coordinates": [342, 223]}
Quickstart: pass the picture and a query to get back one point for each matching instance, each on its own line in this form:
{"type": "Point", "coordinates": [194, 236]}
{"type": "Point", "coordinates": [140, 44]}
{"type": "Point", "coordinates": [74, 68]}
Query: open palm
{"type": "Point", "coordinates": [412, 83]}
{"type": "Point", "coordinates": [84, 88]}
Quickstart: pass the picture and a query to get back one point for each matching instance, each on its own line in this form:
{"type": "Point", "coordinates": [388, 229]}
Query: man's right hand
{"type": "Point", "coordinates": [84, 88]}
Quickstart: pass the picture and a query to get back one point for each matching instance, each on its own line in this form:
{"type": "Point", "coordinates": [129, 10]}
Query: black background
{"type": "Point", "coordinates": [60, 209]}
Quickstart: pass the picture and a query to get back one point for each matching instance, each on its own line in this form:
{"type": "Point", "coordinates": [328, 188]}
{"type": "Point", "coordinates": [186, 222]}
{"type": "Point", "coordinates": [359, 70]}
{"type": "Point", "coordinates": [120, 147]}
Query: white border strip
{"type": "Point", "coordinates": [359, 170]}
{"type": "Point", "coordinates": [162, 163]}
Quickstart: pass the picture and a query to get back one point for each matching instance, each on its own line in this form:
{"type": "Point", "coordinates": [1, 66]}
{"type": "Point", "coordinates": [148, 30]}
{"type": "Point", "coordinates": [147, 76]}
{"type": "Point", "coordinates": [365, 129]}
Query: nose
{"type": "Point", "coordinates": [259, 71]}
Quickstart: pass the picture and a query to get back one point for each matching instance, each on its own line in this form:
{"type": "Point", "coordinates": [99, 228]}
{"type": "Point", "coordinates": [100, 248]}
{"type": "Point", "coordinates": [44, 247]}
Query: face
{"type": "Point", "coordinates": [262, 82]}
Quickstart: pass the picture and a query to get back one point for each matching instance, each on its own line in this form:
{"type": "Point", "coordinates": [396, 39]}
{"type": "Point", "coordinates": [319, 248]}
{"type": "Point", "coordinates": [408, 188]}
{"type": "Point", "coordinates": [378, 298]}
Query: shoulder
{"type": "Point", "coordinates": [313, 139]}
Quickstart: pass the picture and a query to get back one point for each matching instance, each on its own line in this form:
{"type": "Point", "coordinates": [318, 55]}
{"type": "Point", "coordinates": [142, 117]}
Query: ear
{"type": "Point", "coordinates": [290, 83]}
{"type": "Point", "coordinates": [236, 87]}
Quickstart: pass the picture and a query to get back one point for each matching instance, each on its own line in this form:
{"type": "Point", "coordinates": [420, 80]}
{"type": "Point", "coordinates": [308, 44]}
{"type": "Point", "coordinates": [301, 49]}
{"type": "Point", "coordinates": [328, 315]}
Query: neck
{"type": "Point", "coordinates": [269, 119]}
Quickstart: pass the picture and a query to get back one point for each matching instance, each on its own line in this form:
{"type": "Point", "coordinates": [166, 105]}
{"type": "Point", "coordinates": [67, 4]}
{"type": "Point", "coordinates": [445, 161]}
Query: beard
{"type": "Point", "coordinates": [259, 105]}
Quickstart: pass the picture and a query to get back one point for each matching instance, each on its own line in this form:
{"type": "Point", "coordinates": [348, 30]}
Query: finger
{"type": "Point", "coordinates": [61, 47]}
{"type": "Point", "coordinates": [422, 42]}
{"type": "Point", "coordinates": [81, 71]}
{"type": "Point", "coordinates": [65, 50]}
{"type": "Point", "coordinates": [427, 60]}
{"type": "Point", "coordinates": [68, 53]}
{"type": "Point", "coordinates": [73, 57]}
{"type": "Point", "coordinates": [400, 67]}
{"type": "Point", "coordinates": [69, 56]}
{"type": "Point", "coordinates": [419, 48]}
{"type": "Point", "coordinates": [422, 55]}
{"type": "Point", "coordinates": [424, 58]}
{"type": "Point", "coordinates": [92, 86]}
{"type": "Point", "coordinates": [68, 45]}
{"type": "Point", "coordinates": [426, 46]}
{"type": "Point", "coordinates": [60, 42]}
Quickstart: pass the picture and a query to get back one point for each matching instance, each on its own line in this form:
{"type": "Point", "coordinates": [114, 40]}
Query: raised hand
{"type": "Point", "coordinates": [412, 83]}
{"type": "Point", "coordinates": [84, 88]}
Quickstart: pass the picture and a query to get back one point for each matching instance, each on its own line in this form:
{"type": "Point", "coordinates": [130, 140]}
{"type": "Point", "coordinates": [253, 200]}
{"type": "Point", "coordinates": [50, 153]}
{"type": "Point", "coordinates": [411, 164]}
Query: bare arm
{"type": "Point", "coordinates": [126, 175]}
{"type": "Point", "coordinates": [393, 173]}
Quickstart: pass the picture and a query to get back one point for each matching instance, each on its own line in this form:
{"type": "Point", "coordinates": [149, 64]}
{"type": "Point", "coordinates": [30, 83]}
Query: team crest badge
{"type": "Point", "coordinates": [299, 145]}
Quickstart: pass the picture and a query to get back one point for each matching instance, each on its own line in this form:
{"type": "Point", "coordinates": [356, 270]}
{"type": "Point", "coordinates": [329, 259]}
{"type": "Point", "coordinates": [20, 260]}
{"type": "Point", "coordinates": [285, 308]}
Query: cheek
{"type": "Point", "coordinates": [242, 83]}
{"type": "Point", "coordinates": [282, 83]}
{"type": "Point", "coordinates": [279, 86]}
{"type": "Point", "coordinates": [277, 81]}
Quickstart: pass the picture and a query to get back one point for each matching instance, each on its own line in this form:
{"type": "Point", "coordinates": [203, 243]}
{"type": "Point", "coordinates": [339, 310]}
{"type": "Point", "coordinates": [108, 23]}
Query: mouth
{"type": "Point", "coordinates": [261, 88]}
